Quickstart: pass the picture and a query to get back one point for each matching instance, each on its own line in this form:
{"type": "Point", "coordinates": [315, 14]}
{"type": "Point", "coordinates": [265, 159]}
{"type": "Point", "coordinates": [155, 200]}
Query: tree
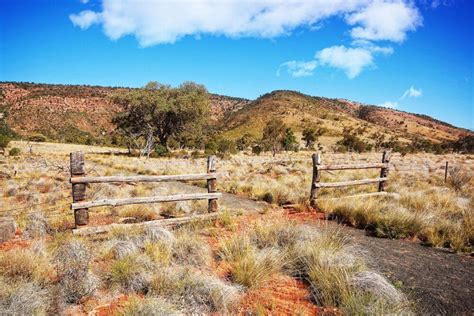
{"type": "Point", "coordinates": [158, 112]}
{"type": "Point", "coordinates": [311, 135]}
{"type": "Point", "coordinates": [273, 135]}
{"type": "Point", "coordinates": [351, 142]}
{"type": "Point", "coordinates": [289, 142]}
{"type": "Point", "coordinates": [245, 141]}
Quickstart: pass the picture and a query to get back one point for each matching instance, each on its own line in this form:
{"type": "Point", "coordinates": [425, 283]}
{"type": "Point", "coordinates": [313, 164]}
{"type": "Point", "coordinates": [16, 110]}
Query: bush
{"type": "Point", "coordinates": [131, 273]}
{"type": "Point", "coordinates": [161, 151]}
{"type": "Point", "coordinates": [257, 150]}
{"type": "Point", "coordinates": [189, 249]}
{"type": "Point", "coordinates": [37, 138]}
{"type": "Point", "coordinates": [15, 151]}
{"type": "Point", "coordinates": [23, 298]}
{"type": "Point", "coordinates": [72, 263]}
{"type": "Point", "coordinates": [196, 292]}
{"type": "Point", "coordinates": [289, 142]}
{"type": "Point", "coordinates": [458, 178]}
{"type": "Point", "coordinates": [4, 141]}
{"type": "Point", "coordinates": [226, 146]}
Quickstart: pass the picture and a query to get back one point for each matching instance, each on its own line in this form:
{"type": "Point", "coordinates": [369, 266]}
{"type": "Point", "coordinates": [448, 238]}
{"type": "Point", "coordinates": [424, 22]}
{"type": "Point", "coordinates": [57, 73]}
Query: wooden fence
{"type": "Point", "coordinates": [79, 182]}
{"type": "Point", "coordinates": [318, 167]}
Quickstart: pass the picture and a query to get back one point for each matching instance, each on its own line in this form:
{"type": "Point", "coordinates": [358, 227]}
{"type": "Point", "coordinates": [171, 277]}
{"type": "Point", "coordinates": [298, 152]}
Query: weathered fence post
{"type": "Point", "coordinates": [211, 183]}
{"type": "Point", "coordinates": [446, 173]}
{"type": "Point", "coordinates": [384, 170]}
{"type": "Point", "coordinates": [81, 216]}
{"type": "Point", "coordinates": [316, 178]}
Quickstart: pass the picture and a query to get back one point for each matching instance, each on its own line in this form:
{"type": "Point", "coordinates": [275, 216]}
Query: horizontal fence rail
{"type": "Point", "coordinates": [164, 178]}
{"type": "Point", "coordinates": [318, 167]}
{"type": "Point", "coordinates": [349, 183]}
{"type": "Point", "coordinates": [146, 200]}
{"type": "Point", "coordinates": [79, 182]}
{"type": "Point", "coordinates": [353, 167]}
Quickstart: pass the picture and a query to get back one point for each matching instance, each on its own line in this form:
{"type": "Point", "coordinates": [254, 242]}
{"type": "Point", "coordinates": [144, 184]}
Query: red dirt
{"type": "Point", "coordinates": [15, 243]}
{"type": "Point", "coordinates": [282, 295]}
{"type": "Point", "coordinates": [111, 308]}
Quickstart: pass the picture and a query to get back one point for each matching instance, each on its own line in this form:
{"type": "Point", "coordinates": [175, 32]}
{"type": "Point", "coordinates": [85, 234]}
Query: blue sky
{"type": "Point", "coordinates": [413, 56]}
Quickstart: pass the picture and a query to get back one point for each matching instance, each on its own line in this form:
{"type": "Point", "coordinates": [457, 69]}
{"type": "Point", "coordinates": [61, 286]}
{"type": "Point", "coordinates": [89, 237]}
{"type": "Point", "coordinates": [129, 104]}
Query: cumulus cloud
{"type": "Point", "coordinates": [384, 20]}
{"type": "Point", "coordinates": [351, 60]}
{"type": "Point", "coordinates": [163, 21]}
{"type": "Point", "coordinates": [299, 68]}
{"type": "Point", "coordinates": [412, 92]}
{"type": "Point", "coordinates": [85, 19]}
{"type": "Point", "coordinates": [389, 104]}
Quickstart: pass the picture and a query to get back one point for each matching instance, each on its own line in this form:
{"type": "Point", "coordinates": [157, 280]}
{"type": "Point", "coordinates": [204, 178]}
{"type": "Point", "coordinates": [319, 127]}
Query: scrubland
{"type": "Point", "coordinates": [227, 265]}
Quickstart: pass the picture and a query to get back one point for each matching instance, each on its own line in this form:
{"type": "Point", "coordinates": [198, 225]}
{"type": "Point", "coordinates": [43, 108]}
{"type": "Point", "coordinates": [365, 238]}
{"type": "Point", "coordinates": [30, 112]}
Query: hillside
{"type": "Point", "coordinates": [299, 110]}
{"type": "Point", "coordinates": [74, 113]}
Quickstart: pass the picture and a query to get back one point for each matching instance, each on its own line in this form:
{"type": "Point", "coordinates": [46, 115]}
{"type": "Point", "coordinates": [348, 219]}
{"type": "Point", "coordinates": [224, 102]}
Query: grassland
{"type": "Point", "coordinates": [229, 265]}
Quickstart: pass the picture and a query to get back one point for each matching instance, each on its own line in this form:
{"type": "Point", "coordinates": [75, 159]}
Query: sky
{"type": "Point", "coordinates": [414, 56]}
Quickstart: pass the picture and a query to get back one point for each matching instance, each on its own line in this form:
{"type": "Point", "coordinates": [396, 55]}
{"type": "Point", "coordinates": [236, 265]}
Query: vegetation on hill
{"type": "Point", "coordinates": [85, 114]}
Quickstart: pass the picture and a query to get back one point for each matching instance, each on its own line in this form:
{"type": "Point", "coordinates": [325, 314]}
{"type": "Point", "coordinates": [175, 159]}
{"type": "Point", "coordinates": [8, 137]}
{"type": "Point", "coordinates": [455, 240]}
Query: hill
{"type": "Point", "coordinates": [78, 113]}
{"type": "Point", "coordinates": [298, 110]}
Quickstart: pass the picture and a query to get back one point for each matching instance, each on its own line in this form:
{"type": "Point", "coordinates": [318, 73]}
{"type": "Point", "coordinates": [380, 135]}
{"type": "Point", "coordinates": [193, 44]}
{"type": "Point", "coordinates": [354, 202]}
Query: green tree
{"type": "Point", "coordinates": [290, 143]}
{"type": "Point", "coordinates": [273, 135]}
{"type": "Point", "coordinates": [245, 141]}
{"type": "Point", "coordinates": [158, 112]}
{"type": "Point", "coordinates": [351, 142]}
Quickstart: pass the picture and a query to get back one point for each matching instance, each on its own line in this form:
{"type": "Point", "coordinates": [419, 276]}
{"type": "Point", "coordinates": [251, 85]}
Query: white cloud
{"type": "Point", "coordinates": [351, 60]}
{"type": "Point", "coordinates": [163, 21]}
{"type": "Point", "coordinates": [384, 20]}
{"type": "Point", "coordinates": [84, 1]}
{"type": "Point", "coordinates": [389, 104]}
{"type": "Point", "coordinates": [299, 68]}
{"type": "Point", "coordinates": [385, 50]}
{"type": "Point", "coordinates": [85, 19]}
{"type": "Point", "coordinates": [412, 92]}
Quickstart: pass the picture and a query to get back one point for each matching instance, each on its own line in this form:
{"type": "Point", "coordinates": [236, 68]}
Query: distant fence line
{"type": "Point", "coordinates": [318, 167]}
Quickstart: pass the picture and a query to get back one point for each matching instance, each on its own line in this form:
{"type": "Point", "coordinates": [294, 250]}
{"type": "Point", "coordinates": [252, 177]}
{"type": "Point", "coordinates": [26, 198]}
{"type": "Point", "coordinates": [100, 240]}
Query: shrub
{"type": "Point", "coordinates": [26, 265]}
{"type": "Point", "coordinates": [257, 150]}
{"type": "Point", "coordinates": [15, 151]}
{"type": "Point", "coordinates": [190, 249]}
{"type": "Point", "coordinates": [72, 264]}
{"type": "Point", "coordinates": [195, 292]}
{"type": "Point", "coordinates": [290, 142]}
{"type": "Point", "coordinates": [131, 273]}
{"type": "Point", "coordinates": [161, 151]}
{"type": "Point", "coordinates": [37, 226]}
{"type": "Point", "coordinates": [37, 138]}
{"type": "Point", "coordinates": [4, 141]}
{"type": "Point", "coordinates": [23, 298]}
{"type": "Point", "coordinates": [458, 178]}
{"type": "Point", "coordinates": [254, 268]}
{"type": "Point", "coordinates": [226, 146]}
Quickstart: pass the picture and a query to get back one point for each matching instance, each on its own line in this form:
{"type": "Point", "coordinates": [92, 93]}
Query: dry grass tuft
{"type": "Point", "coordinates": [195, 292]}
{"type": "Point", "coordinates": [23, 298]}
{"type": "Point", "coordinates": [190, 249]}
{"type": "Point", "coordinates": [72, 262]}
{"type": "Point", "coordinates": [149, 306]}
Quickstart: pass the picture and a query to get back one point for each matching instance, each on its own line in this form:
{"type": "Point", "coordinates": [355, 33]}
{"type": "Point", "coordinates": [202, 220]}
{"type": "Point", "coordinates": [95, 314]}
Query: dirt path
{"type": "Point", "coordinates": [437, 281]}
